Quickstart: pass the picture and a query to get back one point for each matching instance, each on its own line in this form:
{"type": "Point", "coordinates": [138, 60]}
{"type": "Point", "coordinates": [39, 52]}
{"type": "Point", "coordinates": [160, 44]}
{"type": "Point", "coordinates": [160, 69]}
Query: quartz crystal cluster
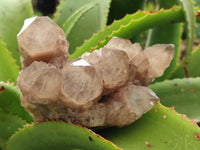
{"type": "Point", "coordinates": [107, 87]}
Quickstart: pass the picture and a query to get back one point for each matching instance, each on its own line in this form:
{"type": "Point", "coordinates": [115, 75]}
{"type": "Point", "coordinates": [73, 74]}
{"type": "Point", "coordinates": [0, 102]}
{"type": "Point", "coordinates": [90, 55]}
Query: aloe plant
{"type": "Point", "coordinates": [84, 24]}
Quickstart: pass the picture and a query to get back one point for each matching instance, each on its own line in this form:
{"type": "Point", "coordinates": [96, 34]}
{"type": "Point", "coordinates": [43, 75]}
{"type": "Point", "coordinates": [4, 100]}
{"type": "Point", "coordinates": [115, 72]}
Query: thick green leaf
{"type": "Point", "coordinates": [12, 15]}
{"type": "Point", "coordinates": [10, 101]}
{"type": "Point", "coordinates": [190, 17]}
{"type": "Point", "coordinates": [182, 93]}
{"type": "Point", "coordinates": [159, 129]}
{"type": "Point", "coordinates": [8, 68]}
{"type": "Point", "coordinates": [166, 34]}
{"type": "Point", "coordinates": [130, 26]}
{"type": "Point", "coordinates": [198, 25]}
{"type": "Point", "coordinates": [8, 125]}
{"type": "Point", "coordinates": [91, 22]}
{"type": "Point", "coordinates": [198, 31]}
{"type": "Point", "coordinates": [58, 136]}
{"type": "Point", "coordinates": [120, 8]}
{"type": "Point", "coordinates": [198, 14]}
{"type": "Point", "coordinates": [66, 8]}
{"type": "Point", "coordinates": [72, 20]}
{"type": "Point", "coordinates": [197, 2]}
{"type": "Point", "coordinates": [192, 67]}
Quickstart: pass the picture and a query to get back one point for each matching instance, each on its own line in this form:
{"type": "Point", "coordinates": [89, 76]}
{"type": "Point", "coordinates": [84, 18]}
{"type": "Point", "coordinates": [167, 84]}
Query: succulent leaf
{"type": "Point", "coordinates": [8, 68]}
{"type": "Point", "coordinates": [8, 125]}
{"type": "Point", "coordinates": [160, 128]}
{"type": "Point", "coordinates": [198, 14]}
{"type": "Point", "coordinates": [59, 136]}
{"type": "Point", "coordinates": [72, 20]}
{"type": "Point", "coordinates": [166, 34]}
{"type": "Point", "coordinates": [183, 94]}
{"type": "Point", "coordinates": [12, 19]}
{"type": "Point", "coordinates": [130, 26]}
{"type": "Point", "coordinates": [198, 31]}
{"type": "Point", "coordinates": [190, 17]}
{"type": "Point", "coordinates": [120, 8]}
{"type": "Point", "coordinates": [10, 101]}
{"type": "Point", "coordinates": [197, 2]}
{"type": "Point", "coordinates": [178, 72]}
{"type": "Point", "coordinates": [91, 22]}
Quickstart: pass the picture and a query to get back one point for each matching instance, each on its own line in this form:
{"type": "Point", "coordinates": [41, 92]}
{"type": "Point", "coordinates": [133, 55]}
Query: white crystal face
{"type": "Point", "coordinates": [80, 62]}
{"type": "Point", "coordinates": [27, 22]}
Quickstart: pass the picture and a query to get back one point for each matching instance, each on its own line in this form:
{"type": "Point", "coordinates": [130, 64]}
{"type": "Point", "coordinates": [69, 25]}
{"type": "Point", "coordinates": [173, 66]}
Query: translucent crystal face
{"type": "Point", "coordinates": [41, 39]}
{"type": "Point", "coordinates": [40, 83]}
{"type": "Point", "coordinates": [159, 56]}
{"type": "Point", "coordinates": [81, 85]}
{"type": "Point", "coordinates": [107, 87]}
{"type": "Point", "coordinates": [113, 64]}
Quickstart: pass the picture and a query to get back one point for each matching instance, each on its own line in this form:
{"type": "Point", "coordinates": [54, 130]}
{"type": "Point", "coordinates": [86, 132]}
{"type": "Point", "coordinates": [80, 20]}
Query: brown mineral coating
{"type": "Point", "coordinates": [41, 39]}
{"type": "Point", "coordinates": [40, 83]}
{"type": "Point", "coordinates": [113, 64]}
{"type": "Point", "coordinates": [81, 85]}
{"type": "Point", "coordinates": [93, 117]}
